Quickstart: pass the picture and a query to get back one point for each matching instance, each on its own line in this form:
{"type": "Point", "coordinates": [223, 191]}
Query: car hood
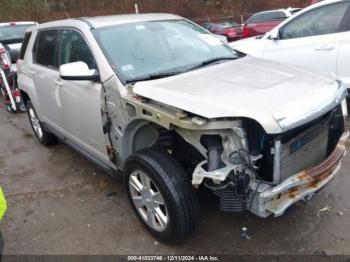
{"type": "Point", "coordinates": [252, 46]}
{"type": "Point", "coordinates": [277, 96]}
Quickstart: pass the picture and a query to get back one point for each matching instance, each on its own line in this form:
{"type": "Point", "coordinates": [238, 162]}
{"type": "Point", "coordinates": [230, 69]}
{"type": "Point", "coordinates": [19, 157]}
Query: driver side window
{"type": "Point", "coordinates": [321, 21]}
{"type": "Point", "coordinates": [73, 48]}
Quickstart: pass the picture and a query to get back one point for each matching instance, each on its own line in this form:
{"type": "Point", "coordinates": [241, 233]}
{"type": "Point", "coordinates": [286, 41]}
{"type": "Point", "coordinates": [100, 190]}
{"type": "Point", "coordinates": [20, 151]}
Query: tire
{"type": "Point", "coordinates": [21, 107]}
{"type": "Point", "coordinates": [44, 137]}
{"type": "Point", "coordinates": [168, 177]}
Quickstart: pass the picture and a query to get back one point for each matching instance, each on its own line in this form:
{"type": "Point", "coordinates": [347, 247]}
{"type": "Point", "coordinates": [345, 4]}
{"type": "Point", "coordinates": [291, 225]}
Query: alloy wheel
{"type": "Point", "coordinates": [35, 123]}
{"type": "Point", "coordinates": [148, 200]}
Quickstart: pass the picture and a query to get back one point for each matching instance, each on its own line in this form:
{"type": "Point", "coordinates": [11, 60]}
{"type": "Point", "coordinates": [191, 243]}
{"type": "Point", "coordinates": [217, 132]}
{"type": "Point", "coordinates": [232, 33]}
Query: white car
{"type": "Point", "coordinates": [175, 109]}
{"type": "Point", "coordinates": [317, 37]}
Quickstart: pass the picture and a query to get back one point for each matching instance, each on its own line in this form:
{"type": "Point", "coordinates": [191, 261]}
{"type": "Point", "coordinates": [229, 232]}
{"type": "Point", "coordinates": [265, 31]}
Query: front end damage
{"type": "Point", "coordinates": [303, 184]}
{"type": "Point", "coordinates": [260, 156]}
{"type": "Point", "coordinates": [250, 170]}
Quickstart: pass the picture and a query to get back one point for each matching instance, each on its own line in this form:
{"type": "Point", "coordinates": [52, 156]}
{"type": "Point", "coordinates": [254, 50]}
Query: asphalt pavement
{"type": "Point", "coordinates": [60, 203]}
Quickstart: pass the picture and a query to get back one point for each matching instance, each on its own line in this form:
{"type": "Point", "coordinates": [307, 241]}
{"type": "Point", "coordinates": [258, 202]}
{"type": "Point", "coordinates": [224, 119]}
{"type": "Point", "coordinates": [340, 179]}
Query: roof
{"type": "Point", "coordinates": [19, 23]}
{"type": "Point", "coordinates": [103, 21]}
{"type": "Point", "coordinates": [279, 10]}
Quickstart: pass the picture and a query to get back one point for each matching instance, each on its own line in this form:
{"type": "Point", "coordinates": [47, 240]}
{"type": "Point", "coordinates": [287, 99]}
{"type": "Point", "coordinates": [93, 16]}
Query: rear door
{"type": "Point", "coordinates": [80, 101]}
{"type": "Point", "coordinates": [311, 39]}
{"type": "Point", "coordinates": [343, 61]}
{"type": "Point", "coordinates": [44, 71]}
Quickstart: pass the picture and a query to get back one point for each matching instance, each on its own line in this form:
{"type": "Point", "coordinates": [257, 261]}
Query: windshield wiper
{"type": "Point", "coordinates": [152, 77]}
{"type": "Point", "coordinates": [210, 61]}
{"type": "Point", "coordinates": [173, 73]}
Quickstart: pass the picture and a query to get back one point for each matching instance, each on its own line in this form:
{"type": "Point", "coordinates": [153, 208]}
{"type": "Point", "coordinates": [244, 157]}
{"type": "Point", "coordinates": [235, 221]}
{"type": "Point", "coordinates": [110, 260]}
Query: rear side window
{"type": "Point", "coordinates": [24, 45]}
{"type": "Point", "coordinates": [46, 48]}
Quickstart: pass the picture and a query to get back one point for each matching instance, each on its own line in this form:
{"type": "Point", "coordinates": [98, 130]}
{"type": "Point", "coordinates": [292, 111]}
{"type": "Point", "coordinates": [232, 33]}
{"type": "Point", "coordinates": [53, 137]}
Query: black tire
{"type": "Point", "coordinates": [175, 187]}
{"type": "Point", "coordinates": [21, 107]}
{"type": "Point", "coordinates": [47, 138]}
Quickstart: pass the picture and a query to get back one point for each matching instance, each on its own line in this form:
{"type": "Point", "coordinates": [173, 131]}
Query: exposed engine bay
{"type": "Point", "coordinates": [242, 163]}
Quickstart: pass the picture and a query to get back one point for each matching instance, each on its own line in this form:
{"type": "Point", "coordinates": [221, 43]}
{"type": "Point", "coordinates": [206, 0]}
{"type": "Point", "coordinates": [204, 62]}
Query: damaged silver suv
{"type": "Point", "coordinates": [175, 109]}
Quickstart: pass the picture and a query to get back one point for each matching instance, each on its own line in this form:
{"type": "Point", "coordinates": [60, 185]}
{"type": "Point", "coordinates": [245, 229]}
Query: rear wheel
{"type": "Point", "coordinates": [161, 194]}
{"type": "Point", "coordinates": [44, 137]}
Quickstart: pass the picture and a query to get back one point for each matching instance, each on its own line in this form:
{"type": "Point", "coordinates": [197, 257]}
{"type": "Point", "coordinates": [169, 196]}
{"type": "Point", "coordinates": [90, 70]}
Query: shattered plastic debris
{"type": "Point", "coordinates": [330, 209]}
{"type": "Point", "coordinates": [244, 233]}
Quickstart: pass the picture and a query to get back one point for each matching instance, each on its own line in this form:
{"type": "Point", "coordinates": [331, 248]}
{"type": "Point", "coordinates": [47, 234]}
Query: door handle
{"type": "Point", "coordinates": [58, 83]}
{"type": "Point", "coordinates": [325, 48]}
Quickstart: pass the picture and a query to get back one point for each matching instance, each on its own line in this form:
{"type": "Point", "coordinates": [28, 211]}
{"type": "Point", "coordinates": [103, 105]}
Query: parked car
{"type": "Point", "coordinates": [262, 22]}
{"type": "Point", "coordinates": [317, 38]}
{"type": "Point", "coordinates": [11, 36]}
{"type": "Point", "coordinates": [232, 30]}
{"type": "Point", "coordinates": [174, 108]}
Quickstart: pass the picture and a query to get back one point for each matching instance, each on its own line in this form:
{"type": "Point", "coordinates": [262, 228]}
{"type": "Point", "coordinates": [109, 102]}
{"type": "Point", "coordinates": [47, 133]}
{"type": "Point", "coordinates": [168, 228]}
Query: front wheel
{"type": "Point", "coordinates": [161, 194]}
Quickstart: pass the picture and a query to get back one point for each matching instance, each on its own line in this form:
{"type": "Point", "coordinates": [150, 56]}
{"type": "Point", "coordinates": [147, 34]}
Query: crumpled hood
{"type": "Point", "coordinates": [278, 96]}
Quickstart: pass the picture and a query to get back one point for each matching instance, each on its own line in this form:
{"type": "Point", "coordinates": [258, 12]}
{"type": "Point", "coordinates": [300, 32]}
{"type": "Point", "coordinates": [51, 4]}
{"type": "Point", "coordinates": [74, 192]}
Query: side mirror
{"type": "Point", "coordinates": [78, 71]}
{"type": "Point", "coordinates": [275, 34]}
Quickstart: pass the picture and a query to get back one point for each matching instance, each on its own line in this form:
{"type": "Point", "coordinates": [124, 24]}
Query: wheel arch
{"type": "Point", "coordinates": [25, 97]}
{"type": "Point", "coordinates": [29, 91]}
{"type": "Point", "coordinates": [138, 134]}
{"type": "Point", "coordinates": [141, 134]}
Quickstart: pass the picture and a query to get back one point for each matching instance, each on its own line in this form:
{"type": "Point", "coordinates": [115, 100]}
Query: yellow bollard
{"type": "Point", "coordinates": [3, 205]}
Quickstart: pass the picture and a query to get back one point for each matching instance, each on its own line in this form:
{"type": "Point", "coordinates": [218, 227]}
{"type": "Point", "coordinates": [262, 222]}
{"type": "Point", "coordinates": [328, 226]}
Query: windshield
{"type": "Point", "coordinates": [140, 49]}
{"type": "Point", "coordinates": [10, 32]}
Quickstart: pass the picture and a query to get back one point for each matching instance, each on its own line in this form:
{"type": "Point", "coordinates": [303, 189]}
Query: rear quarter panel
{"type": "Point", "coordinates": [25, 79]}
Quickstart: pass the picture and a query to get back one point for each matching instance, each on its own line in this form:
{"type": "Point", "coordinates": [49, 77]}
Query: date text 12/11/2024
{"type": "Point", "coordinates": [173, 258]}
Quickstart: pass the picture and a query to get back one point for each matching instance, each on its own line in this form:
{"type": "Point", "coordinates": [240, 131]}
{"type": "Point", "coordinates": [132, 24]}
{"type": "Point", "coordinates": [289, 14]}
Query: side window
{"type": "Point", "coordinates": [280, 15]}
{"type": "Point", "coordinates": [268, 16]}
{"type": "Point", "coordinates": [324, 20]}
{"type": "Point", "coordinates": [207, 26]}
{"type": "Point", "coordinates": [255, 18]}
{"type": "Point", "coordinates": [273, 16]}
{"type": "Point", "coordinates": [73, 48]}
{"type": "Point", "coordinates": [46, 47]}
{"type": "Point", "coordinates": [24, 45]}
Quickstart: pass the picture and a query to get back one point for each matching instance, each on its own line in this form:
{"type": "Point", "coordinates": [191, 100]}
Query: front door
{"type": "Point", "coordinates": [81, 100]}
{"type": "Point", "coordinates": [311, 39]}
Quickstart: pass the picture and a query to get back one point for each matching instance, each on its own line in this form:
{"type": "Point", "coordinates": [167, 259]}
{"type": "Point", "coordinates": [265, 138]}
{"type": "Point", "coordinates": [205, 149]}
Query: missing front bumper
{"type": "Point", "coordinates": [305, 183]}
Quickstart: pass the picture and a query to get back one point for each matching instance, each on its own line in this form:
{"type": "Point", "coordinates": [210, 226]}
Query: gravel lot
{"type": "Point", "coordinates": [59, 203]}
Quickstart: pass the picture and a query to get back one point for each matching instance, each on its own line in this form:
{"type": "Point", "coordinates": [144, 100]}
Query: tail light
{"type": "Point", "coordinates": [230, 32]}
{"type": "Point", "coordinates": [17, 95]}
{"type": "Point", "coordinates": [246, 32]}
{"type": "Point", "coordinates": [5, 59]}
